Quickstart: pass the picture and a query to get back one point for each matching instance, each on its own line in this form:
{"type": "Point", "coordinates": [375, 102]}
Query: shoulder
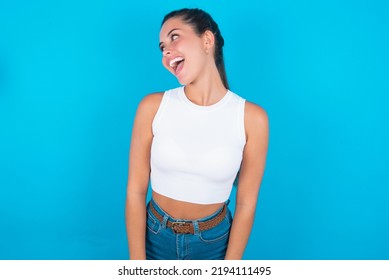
{"type": "Point", "coordinates": [148, 107]}
{"type": "Point", "coordinates": [151, 101]}
{"type": "Point", "coordinates": [255, 113]}
{"type": "Point", "coordinates": [255, 119]}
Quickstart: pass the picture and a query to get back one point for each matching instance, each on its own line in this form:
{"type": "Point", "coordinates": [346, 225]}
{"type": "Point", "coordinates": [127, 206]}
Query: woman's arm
{"type": "Point", "coordinates": [139, 174]}
{"type": "Point", "coordinates": [250, 177]}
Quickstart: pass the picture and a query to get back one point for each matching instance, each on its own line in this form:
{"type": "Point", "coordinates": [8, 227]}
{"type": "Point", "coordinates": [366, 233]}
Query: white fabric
{"type": "Point", "coordinates": [197, 150]}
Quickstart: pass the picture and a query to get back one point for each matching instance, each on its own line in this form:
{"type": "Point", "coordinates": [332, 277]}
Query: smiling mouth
{"type": "Point", "coordinates": [176, 64]}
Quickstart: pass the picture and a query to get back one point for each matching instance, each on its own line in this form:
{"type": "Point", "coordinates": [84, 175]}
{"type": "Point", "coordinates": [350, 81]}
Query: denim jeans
{"type": "Point", "coordinates": [163, 244]}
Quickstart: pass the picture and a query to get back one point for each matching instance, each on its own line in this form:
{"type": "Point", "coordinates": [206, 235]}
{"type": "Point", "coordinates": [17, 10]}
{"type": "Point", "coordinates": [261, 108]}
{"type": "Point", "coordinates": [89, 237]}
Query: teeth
{"type": "Point", "coordinates": [175, 61]}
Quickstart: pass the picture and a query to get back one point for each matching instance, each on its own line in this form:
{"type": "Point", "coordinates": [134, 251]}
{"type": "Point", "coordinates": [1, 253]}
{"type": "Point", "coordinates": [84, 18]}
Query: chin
{"type": "Point", "coordinates": [183, 81]}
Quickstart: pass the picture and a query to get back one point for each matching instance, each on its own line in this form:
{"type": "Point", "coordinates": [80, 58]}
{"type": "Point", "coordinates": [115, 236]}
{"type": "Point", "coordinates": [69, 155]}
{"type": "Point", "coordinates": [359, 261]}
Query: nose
{"type": "Point", "coordinates": [167, 52]}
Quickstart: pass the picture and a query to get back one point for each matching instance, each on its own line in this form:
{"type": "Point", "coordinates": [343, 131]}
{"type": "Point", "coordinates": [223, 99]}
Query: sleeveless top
{"type": "Point", "coordinates": [196, 150]}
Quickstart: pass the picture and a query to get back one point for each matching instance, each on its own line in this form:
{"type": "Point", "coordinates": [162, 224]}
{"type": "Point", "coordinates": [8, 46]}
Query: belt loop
{"type": "Point", "coordinates": [196, 227]}
{"type": "Point", "coordinates": [164, 221]}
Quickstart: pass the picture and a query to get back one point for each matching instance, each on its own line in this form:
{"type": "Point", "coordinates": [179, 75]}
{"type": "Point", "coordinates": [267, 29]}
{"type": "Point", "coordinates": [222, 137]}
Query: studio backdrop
{"type": "Point", "coordinates": [73, 72]}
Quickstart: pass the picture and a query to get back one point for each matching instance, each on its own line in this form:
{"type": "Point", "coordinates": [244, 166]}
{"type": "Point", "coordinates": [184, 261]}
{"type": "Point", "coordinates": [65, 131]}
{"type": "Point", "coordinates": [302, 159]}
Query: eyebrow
{"type": "Point", "coordinates": [174, 29]}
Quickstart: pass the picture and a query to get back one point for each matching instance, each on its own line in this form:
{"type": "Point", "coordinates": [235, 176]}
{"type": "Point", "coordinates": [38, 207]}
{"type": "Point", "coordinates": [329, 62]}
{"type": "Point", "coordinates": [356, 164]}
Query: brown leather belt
{"type": "Point", "coordinates": [187, 227]}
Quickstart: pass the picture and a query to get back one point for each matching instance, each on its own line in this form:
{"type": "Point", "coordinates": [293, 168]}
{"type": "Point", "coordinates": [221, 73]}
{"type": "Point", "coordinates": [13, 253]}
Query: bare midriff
{"type": "Point", "coordinates": [185, 210]}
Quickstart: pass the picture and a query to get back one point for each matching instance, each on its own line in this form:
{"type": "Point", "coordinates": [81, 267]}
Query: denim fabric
{"type": "Point", "coordinates": [163, 244]}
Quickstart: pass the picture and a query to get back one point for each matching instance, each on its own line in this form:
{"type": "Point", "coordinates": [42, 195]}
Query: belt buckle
{"type": "Point", "coordinates": [177, 225]}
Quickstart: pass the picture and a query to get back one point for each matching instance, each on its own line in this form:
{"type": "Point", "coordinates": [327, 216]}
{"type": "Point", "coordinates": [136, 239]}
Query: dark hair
{"type": "Point", "coordinates": [201, 22]}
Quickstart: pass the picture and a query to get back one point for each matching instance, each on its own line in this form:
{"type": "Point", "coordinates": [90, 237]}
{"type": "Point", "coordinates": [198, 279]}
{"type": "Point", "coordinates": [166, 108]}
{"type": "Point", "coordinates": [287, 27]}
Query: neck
{"type": "Point", "coordinates": [207, 89]}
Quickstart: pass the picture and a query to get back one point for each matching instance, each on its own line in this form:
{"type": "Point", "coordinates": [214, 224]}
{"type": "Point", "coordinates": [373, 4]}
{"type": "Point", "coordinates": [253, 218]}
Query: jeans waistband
{"type": "Point", "coordinates": [167, 217]}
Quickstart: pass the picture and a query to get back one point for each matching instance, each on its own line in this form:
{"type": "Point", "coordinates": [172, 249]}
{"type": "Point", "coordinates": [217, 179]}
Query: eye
{"type": "Point", "coordinates": [173, 37]}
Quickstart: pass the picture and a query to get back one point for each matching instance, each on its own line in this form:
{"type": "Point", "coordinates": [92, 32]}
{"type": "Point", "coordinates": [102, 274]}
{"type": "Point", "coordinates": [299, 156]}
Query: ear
{"type": "Point", "coordinates": [209, 40]}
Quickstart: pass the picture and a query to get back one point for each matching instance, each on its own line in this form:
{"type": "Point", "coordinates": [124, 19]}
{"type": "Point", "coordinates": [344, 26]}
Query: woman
{"type": "Point", "coordinates": [191, 142]}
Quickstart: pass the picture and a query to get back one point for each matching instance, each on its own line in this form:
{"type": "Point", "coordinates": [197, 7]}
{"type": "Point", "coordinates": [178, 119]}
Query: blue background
{"type": "Point", "coordinates": [73, 72]}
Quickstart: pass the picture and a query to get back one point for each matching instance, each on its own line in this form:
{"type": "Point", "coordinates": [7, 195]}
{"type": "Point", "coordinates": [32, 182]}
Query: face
{"type": "Point", "coordinates": [184, 53]}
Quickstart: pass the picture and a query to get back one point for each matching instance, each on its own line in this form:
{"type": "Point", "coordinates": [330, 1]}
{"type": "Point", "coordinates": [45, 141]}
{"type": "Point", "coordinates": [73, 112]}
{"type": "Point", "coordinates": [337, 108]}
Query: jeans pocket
{"type": "Point", "coordinates": [220, 232]}
{"type": "Point", "coordinates": [153, 225]}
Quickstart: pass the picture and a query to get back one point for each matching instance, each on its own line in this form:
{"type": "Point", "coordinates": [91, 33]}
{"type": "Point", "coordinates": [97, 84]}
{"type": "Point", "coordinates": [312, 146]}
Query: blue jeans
{"type": "Point", "coordinates": [163, 244]}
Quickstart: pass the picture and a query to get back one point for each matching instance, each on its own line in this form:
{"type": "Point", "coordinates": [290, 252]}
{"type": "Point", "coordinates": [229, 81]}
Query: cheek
{"type": "Point", "coordinates": [164, 62]}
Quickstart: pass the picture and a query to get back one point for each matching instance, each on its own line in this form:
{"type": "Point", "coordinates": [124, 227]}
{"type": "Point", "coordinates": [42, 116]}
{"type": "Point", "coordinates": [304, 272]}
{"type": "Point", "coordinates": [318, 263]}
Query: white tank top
{"type": "Point", "coordinates": [197, 150]}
